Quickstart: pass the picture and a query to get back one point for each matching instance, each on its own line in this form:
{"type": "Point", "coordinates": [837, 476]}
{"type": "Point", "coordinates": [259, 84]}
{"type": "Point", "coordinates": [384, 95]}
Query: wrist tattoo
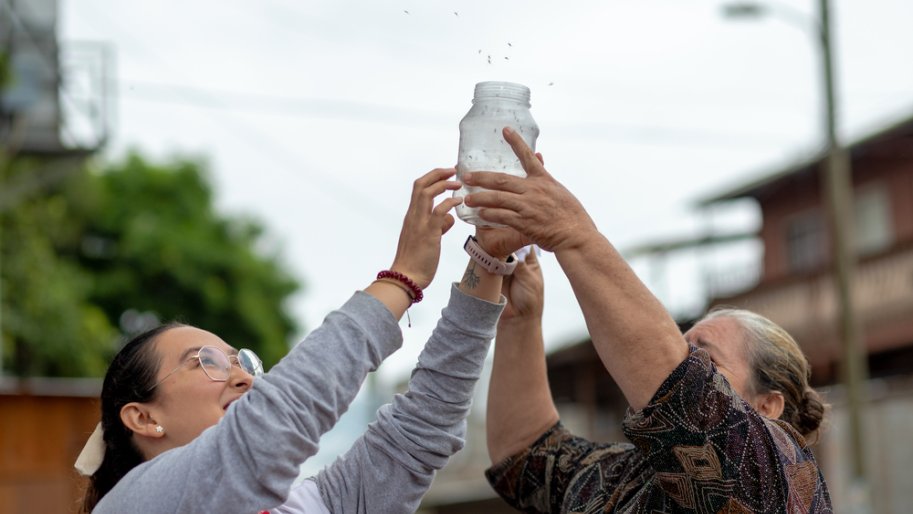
{"type": "Point", "coordinates": [470, 278]}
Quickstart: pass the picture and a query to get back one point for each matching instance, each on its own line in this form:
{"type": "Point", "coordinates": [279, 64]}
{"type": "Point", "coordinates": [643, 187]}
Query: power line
{"type": "Point", "coordinates": [325, 108]}
{"type": "Point", "coordinates": [357, 201]}
{"type": "Point", "coordinates": [333, 109]}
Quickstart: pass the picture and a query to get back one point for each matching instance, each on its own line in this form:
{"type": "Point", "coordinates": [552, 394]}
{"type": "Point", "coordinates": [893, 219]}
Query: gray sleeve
{"type": "Point", "coordinates": [248, 461]}
{"type": "Point", "coordinates": [391, 466]}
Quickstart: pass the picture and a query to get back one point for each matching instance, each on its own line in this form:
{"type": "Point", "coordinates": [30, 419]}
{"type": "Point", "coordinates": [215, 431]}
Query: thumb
{"type": "Point", "coordinates": [505, 284]}
{"type": "Point", "coordinates": [532, 259]}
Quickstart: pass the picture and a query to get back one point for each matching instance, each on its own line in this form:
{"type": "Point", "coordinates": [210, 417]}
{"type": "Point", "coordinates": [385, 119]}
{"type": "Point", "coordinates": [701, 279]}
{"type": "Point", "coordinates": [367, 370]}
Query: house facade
{"type": "Point", "coordinates": [795, 288]}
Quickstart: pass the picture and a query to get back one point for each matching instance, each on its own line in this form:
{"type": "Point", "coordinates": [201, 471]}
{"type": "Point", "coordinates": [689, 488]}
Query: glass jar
{"type": "Point", "coordinates": [495, 105]}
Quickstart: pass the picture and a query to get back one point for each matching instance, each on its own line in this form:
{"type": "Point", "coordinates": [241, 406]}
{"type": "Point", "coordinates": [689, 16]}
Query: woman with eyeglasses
{"type": "Point", "coordinates": [185, 427]}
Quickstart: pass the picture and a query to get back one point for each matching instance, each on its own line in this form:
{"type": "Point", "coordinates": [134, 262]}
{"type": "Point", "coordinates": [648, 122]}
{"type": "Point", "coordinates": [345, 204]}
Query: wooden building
{"type": "Point", "coordinates": [795, 287]}
{"type": "Point", "coordinates": [44, 424]}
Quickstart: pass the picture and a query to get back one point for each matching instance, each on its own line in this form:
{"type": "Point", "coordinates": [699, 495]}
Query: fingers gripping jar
{"type": "Point", "coordinates": [495, 105]}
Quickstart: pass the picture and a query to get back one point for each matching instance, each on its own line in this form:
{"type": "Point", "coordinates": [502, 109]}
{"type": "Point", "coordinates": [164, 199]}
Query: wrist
{"type": "Point", "coordinates": [497, 253]}
{"type": "Point", "coordinates": [585, 241]}
{"type": "Point", "coordinates": [521, 321]}
{"type": "Point", "coordinates": [491, 263]}
{"type": "Point", "coordinates": [403, 281]}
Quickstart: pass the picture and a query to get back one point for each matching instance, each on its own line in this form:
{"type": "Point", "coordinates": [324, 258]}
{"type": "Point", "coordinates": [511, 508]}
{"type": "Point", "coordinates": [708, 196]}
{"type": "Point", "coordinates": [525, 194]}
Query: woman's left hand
{"type": "Point", "coordinates": [419, 249]}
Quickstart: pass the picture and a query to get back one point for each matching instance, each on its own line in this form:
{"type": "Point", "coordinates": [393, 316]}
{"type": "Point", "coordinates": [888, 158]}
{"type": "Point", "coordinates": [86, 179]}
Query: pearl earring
{"type": "Point", "coordinates": [159, 429]}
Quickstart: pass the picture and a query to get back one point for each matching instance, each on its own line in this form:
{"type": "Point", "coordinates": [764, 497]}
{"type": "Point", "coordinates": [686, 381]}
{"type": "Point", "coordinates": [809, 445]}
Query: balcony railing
{"type": "Point", "coordinates": [806, 306]}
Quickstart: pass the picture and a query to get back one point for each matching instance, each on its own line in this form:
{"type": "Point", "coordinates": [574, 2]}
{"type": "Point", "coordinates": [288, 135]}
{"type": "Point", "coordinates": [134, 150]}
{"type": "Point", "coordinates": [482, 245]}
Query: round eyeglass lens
{"type": "Point", "coordinates": [250, 362]}
{"type": "Point", "coordinates": [215, 363]}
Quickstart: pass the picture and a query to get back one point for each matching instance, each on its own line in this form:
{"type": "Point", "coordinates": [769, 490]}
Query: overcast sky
{"type": "Point", "coordinates": [315, 117]}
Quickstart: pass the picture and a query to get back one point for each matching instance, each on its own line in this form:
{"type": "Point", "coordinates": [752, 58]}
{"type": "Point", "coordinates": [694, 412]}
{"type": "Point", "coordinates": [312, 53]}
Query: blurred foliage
{"type": "Point", "coordinates": [50, 325]}
{"type": "Point", "coordinates": [5, 75]}
{"type": "Point", "coordinates": [101, 252]}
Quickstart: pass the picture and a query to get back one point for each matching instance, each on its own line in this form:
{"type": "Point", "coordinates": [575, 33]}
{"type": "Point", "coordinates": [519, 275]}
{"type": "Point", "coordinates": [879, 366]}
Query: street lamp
{"type": "Point", "coordinates": [837, 182]}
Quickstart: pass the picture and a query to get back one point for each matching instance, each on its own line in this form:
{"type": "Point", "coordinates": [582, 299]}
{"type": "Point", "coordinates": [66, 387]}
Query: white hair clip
{"type": "Point", "coordinates": [92, 453]}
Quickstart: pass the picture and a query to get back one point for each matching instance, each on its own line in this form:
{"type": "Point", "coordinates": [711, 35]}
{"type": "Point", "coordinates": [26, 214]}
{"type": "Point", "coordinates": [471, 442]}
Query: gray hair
{"type": "Point", "coordinates": [778, 364]}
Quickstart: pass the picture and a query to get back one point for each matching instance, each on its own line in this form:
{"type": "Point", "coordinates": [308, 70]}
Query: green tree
{"type": "Point", "coordinates": [133, 237]}
{"type": "Point", "coordinates": [155, 243]}
{"type": "Point", "coordinates": [50, 326]}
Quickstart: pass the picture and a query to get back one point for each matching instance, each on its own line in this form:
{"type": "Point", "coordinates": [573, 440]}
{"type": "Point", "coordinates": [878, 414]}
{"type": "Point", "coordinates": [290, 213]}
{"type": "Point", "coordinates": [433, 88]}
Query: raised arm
{"type": "Point", "coordinates": [249, 460]}
{"type": "Point", "coordinates": [637, 340]}
{"type": "Point", "coordinates": [520, 405]}
{"type": "Point", "coordinates": [394, 463]}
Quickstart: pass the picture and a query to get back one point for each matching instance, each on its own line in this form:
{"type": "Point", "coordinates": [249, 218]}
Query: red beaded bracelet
{"type": "Point", "coordinates": [416, 295]}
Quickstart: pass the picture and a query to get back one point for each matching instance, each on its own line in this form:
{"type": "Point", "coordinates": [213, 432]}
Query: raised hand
{"type": "Point", "coordinates": [537, 206]}
{"type": "Point", "coordinates": [419, 249]}
{"type": "Point", "coordinates": [500, 242]}
{"type": "Point", "coordinates": [525, 292]}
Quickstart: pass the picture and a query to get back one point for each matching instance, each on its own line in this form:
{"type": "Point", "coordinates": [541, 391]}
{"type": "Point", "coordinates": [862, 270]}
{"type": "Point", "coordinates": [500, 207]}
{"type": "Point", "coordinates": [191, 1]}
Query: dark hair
{"type": "Point", "coordinates": [130, 378]}
{"type": "Point", "coordinates": [778, 364]}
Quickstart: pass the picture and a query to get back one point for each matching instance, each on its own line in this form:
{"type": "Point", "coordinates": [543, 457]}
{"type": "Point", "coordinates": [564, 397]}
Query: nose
{"type": "Point", "coordinates": [240, 379]}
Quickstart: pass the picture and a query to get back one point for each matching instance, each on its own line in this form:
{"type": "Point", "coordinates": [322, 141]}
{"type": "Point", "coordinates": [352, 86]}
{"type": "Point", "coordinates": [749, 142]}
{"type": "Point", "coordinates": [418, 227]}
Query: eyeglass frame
{"type": "Point", "coordinates": [233, 359]}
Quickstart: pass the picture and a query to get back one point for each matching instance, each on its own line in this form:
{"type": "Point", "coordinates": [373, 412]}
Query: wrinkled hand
{"type": "Point", "coordinates": [525, 291]}
{"type": "Point", "coordinates": [500, 242]}
{"type": "Point", "coordinates": [537, 206]}
{"type": "Point", "coordinates": [419, 249]}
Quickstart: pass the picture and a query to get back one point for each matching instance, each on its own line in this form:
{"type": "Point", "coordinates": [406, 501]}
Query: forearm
{"type": "Point", "coordinates": [480, 283]}
{"type": "Point", "coordinates": [428, 420]}
{"type": "Point", "coordinates": [520, 405]}
{"type": "Point", "coordinates": [394, 297]}
{"type": "Point", "coordinates": [635, 337]}
{"type": "Point", "coordinates": [394, 462]}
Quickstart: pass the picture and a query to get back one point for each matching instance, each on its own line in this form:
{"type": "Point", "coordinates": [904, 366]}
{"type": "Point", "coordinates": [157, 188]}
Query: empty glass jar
{"type": "Point", "coordinates": [495, 105]}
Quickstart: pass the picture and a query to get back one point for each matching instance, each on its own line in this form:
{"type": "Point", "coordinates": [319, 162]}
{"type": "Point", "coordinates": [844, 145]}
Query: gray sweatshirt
{"type": "Point", "coordinates": [248, 461]}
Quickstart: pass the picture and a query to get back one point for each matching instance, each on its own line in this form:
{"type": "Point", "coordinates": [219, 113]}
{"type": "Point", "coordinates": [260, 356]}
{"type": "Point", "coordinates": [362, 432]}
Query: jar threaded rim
{"type": "Point", "coordinates": [506, 90]}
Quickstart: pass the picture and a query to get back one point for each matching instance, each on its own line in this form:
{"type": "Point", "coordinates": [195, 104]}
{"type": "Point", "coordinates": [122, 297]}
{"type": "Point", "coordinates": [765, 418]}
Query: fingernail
{"type": "Point", "coordinates": [466, 177]}
{"type": "Point", "coordinates": [508, 130]}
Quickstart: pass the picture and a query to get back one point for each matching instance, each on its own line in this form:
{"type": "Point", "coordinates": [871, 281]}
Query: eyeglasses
{"type": "Point", "coordinates": [217, 364]}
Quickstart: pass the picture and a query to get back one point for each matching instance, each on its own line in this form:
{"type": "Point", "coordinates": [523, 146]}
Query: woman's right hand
{"type": "Point", "coordinates": [419, 249]}
{"type": "Point", "coordinates": [537, 206]}
{"type": "Point", "coordinates": [525, 292]}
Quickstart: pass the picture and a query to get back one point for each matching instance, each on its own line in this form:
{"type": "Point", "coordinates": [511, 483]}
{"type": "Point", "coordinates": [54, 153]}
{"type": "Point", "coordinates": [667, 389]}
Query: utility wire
{"type": "Point", "coordinates": [288, 161]}
{"type": "Point", "coordinates": [221, 99]}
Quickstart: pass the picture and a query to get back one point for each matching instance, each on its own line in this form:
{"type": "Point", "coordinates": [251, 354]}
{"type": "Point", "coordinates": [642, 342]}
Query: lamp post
{"type": "Point", "coordinates": [837, 189]}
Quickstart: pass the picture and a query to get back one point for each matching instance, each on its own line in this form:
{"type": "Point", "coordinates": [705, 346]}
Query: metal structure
{"type": "Point", "coordinates": [53, 101]}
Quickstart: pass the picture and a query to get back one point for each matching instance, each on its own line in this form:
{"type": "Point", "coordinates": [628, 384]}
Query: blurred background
{"type": "Point", "coordinates": [244, 167]}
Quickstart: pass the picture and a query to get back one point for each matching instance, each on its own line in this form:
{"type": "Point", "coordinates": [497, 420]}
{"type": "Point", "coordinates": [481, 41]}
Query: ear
{"type": "Point", "coordinates": [138, 418]}
{"type": "Point", "coordinates": [770, 405]}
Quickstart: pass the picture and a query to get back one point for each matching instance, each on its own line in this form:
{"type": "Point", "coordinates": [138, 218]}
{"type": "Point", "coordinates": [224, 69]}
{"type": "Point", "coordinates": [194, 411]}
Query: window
{"type": "Point", "coordinates": [872, 219]}
{"type": "Point", "coordinates": [805, 241]}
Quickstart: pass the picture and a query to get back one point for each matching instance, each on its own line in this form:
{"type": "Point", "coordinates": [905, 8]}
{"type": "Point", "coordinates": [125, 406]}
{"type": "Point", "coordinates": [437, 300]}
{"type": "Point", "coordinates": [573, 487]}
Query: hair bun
{"type": "Point", "coordinates": [811, 412]}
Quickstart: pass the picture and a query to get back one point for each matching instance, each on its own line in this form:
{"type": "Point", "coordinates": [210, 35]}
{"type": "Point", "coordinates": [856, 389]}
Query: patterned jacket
{"type": "Point", "coordinates": [698, 447]}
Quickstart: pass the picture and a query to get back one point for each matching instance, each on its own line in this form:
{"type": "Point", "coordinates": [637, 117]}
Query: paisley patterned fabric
{"type": "Point", "coordinates": [697, 447]}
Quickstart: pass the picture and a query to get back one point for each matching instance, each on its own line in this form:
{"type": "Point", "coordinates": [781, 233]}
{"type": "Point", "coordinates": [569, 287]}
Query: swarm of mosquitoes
{"type": "Point", "coordinates": [487, 55]}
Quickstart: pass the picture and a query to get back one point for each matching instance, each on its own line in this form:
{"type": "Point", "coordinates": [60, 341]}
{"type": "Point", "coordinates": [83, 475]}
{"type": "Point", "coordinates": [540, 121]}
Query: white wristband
{"type": "Point", "coordinates": [493, 265]}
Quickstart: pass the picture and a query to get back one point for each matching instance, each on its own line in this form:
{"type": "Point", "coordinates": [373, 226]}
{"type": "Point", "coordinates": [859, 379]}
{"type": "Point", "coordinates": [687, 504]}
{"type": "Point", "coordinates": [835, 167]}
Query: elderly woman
{"type": "Point", "coordinates": [187, 427]}
{"type": "Point", "coordinates": [718, 416]}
